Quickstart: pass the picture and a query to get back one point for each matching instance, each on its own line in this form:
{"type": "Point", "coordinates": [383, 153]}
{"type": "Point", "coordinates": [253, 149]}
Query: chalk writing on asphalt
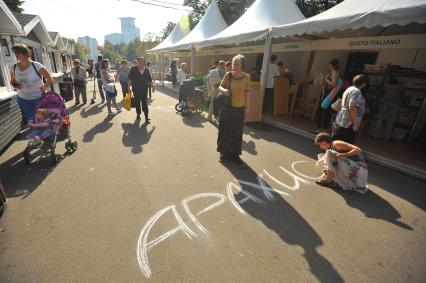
{"type": "Point", "coordinates": [145, 245]}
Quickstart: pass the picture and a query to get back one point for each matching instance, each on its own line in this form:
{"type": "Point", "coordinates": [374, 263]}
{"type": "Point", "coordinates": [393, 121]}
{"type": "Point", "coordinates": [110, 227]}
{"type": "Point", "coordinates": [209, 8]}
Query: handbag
{"type": "Point", "coordinates": [79, 83]}
{"type": "Point", "coordinates": [221, 100]}
{"type": "Point", "coordinates": [127, 104]}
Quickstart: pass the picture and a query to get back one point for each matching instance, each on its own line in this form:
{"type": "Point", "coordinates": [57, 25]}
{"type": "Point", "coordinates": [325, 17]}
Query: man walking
{"type": "Point", "coordinates": [78, 74]}
{"type": "Point", "coordinates": [273, 72]}
{"type": "Point", "coordinates": [138, 82]}
{"type": "Point", "coordinates": [97, 72]}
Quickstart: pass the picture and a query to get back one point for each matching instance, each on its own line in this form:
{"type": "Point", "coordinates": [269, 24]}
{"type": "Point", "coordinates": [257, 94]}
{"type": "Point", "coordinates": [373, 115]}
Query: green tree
{"type": "Point", "coordinates": [167, 30]}
{"type": "Point", "coordinates": [15, 5]}
{"type": "Point", "coordinates": [311, 8]}
{"type": "Point", "coordinates": [81, 51]}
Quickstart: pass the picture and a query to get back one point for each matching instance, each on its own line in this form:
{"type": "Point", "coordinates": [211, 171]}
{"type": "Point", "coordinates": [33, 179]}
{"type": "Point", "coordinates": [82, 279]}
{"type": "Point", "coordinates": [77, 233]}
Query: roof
{"type": "Point", "coordinates": [8, 22]}
{"type": "Point", "coordinates": [24, 19]}
{"type": "Point", "coordinates": [34, 23]}
{"type": "Point", "coordinates": [210, 24]}
{"type": "Point", "coordinates": [180, 31]}
{"type": "Point", "coordinates": [255, 23]}
{"type": "Point", "coordinates": [350, 15]}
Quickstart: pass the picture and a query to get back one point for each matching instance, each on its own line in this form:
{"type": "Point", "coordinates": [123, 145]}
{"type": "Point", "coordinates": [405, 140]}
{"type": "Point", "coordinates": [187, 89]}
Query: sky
{"type": "Point", "coordinates": [96, 18]}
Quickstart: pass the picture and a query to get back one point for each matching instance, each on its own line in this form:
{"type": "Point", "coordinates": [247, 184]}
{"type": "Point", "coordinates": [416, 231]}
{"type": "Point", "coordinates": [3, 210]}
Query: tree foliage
{"type": "Point", "coordinates": [130, 51]}
{"type": "Point", "coordinates": [167, 29]}
{"type": "Point", "coordinates": [234, 9]}
{"type": "Point", "coordinates": [81, 51]}
{"type": "Point", "coordinates": [15, 5]}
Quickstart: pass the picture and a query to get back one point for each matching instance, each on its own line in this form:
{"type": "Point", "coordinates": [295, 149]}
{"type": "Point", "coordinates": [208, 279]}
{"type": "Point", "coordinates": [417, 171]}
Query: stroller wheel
{"type": "Point", "coordinates": [68, 146]}
{"type": "Point", "coordinates": [54, 158]}
{"type": "Point", "coordinates": [27, 156]}
{"type": "Point", "coordinates": [178, 107]}
{"type": "Point", "coordinates": [74, 145]}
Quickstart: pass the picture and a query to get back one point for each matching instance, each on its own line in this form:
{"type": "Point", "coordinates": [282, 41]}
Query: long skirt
{"type": "Point", "coordinates": [230, 137]}
{"type": "Point", "coordinates": [350, 173]}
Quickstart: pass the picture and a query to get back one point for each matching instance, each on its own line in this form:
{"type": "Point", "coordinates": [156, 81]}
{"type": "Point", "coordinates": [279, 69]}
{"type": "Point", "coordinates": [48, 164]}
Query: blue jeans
{"type": "Point", "coordinates": [124, 87]}
{"type": "Point", "coordinates": [28, 107]}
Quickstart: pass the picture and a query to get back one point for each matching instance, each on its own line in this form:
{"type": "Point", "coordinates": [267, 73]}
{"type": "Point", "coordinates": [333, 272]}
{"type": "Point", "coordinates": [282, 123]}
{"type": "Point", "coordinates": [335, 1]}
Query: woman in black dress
{"type": "Point", "coordinates": [237, 85]}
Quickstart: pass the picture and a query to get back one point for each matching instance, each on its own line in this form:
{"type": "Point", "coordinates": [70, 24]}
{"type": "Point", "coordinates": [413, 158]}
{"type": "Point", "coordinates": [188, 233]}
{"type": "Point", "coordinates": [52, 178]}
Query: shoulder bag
{"type": "Point", "coordinates": [221, 100]}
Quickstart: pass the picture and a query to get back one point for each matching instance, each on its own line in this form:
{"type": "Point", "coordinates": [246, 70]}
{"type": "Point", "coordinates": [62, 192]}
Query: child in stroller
{"type": "Point", "coordinates": [50, 123]}
{"type": "Point", "coordinates": [41, 125]}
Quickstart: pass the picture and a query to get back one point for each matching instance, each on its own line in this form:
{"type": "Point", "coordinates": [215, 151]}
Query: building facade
{"type": "Point", "coordinates": [129, 32]}
{"type": "Point", "coordinates": [90, 43]}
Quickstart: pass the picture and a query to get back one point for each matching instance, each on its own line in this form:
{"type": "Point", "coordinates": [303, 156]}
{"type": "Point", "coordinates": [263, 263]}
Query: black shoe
{"type": "Point", "coordinates": [92, 102]}
{"type": "Point", "coordinates": [138, 117]}
{"type": "Point", "coordinates": [224, 158]}
{"type": "Point", "coordinates": [77, 103]}
{"type": "Point", "coordinates": [147, 121]}
{"type": "Point", "coordinates": [103, 100]}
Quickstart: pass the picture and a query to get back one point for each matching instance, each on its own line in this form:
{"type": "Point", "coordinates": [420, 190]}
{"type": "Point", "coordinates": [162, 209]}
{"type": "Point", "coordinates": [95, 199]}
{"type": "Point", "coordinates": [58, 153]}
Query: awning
{"type": "Point", "coordinates": [180, 31]}
{"type": "Point", "coordinates": [354, 18]}
{"type": "Point", "coordinates": [255, 23]}
{"type": "Point", "coordinates": [210, 24]}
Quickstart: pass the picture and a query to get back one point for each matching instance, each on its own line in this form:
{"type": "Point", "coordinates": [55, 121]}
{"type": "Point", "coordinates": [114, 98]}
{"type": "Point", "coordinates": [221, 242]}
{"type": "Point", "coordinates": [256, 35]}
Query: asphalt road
{"type": "Point", "coordinates": [137, 202]}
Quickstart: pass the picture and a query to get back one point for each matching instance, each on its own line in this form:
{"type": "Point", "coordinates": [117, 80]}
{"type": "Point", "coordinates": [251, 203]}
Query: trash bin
{"type": "Point", "coordinates": [66, 89]}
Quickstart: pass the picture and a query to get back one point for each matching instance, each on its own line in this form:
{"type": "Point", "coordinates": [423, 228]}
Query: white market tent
{"type": "Point", "coordinates": [180, 31]}
{"type": "Point", "coordinates": [210, 24]}
{"type": "Point", "coordinates": [352, 18]}
{"type": "Point", "coordinates": [256, 22]}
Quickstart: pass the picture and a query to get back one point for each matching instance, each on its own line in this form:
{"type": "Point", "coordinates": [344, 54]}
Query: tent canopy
{"type": "Point", "coordinates": [180, 31]}
{"type": "Point", "coordinates": [254, 24]}
{"type": "Point", "coordinates": [368, 18]}
{"type": "Point", "coordinates": [211, 24]}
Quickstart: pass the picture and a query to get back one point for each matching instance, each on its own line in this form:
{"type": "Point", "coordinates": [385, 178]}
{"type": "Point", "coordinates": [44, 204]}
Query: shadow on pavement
{"type": "Point", "coordinates": [21, 181]}
{"type": "Point", "coordinates": [102, 127]}
{"type": "Point", "coordinates": [136, 135]}
{"type": "Point", "coordinates": [280, 217]}
{"type": "Point", "coordinates": [373, 206]}
{"type": "Point", "coordinates": [408, 188]}
{"type": "Point", "coordinates": [194, 120]}
{"type": "Point", "coordinates": [94, 110]}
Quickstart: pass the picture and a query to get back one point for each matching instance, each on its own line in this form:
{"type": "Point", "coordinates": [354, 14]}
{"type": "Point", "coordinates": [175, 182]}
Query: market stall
{"type": "Point", "coordinates": [381, 39]}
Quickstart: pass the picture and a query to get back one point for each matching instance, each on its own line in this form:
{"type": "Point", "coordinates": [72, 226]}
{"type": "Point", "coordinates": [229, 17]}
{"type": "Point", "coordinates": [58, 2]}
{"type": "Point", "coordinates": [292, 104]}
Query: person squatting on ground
{"type": "Point", "coordinates": [138, 83]}
{"type": "Point", "coordinates": [27, 77]}
{"type": "Point", "coordinates": [344, 164]}
{"type": "Point", "coordinates": [78, 74]}
{"type": "Point", "coordinates": [109, 87]}
{"type": "Point", "coordinates": [214, 78]}
{"type": "Point", "coordinates": [97, 72]}
{"type": "Point", "coordinates": [351, 112]}
{"type": "Point", "coordinates": [231, 120]}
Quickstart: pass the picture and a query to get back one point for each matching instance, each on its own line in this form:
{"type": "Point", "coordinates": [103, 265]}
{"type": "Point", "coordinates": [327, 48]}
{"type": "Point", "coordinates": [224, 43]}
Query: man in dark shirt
{"type": "Point", "coordinates": [139, 81]}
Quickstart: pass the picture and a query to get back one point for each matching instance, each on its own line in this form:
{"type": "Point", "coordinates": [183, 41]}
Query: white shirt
{"type": "Point", "coordinates": [273, 72]}
{"type": "Point", "coordinates": [214, 78]}
{"type": "Point", "coordinates": [181, 76]}
{"type": "Point", "coordinates": [30, 81]}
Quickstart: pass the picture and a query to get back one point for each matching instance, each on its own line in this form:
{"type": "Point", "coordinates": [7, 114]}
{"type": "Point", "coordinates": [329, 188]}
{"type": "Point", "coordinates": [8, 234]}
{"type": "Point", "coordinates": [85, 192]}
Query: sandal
{"type": "Point", "coordinates": [324, 182]}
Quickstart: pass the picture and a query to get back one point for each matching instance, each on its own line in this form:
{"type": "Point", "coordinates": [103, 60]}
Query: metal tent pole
{"type": "Point", "coordinates": [265, 68]}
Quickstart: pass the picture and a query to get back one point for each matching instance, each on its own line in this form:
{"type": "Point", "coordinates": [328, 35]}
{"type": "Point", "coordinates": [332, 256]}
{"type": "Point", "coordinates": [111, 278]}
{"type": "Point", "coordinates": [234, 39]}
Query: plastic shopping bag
{"type": "Point", "coordinates": [127, 102]}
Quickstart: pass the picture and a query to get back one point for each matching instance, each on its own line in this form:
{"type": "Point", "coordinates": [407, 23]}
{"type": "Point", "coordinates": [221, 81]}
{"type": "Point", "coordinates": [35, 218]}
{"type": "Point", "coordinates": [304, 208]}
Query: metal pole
{"type": "Point", "coordinates": [192, 61]}
{"type": "Point", "coordinates": [265, 68]}
{"type": "Point", "coordinates": [162, 68]}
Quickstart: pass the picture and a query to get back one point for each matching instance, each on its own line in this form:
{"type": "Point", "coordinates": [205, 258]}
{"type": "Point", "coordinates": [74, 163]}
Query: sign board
{"type": "Point", "coordinates": [355, 43]}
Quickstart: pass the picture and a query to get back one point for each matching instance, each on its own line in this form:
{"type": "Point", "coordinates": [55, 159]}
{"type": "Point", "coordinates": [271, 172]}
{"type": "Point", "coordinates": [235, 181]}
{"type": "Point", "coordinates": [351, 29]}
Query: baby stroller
{"type": "Point", "coordinates": [190, 98]}
{"type": "Point", "coordinates": [59, 129]}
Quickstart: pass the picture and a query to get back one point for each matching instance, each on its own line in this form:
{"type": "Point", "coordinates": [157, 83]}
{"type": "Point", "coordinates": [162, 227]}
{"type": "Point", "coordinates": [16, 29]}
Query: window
{"type": "Point", "coordinates": [5, 47]}
{"type": "Point", "coordinates": [53, 62]}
